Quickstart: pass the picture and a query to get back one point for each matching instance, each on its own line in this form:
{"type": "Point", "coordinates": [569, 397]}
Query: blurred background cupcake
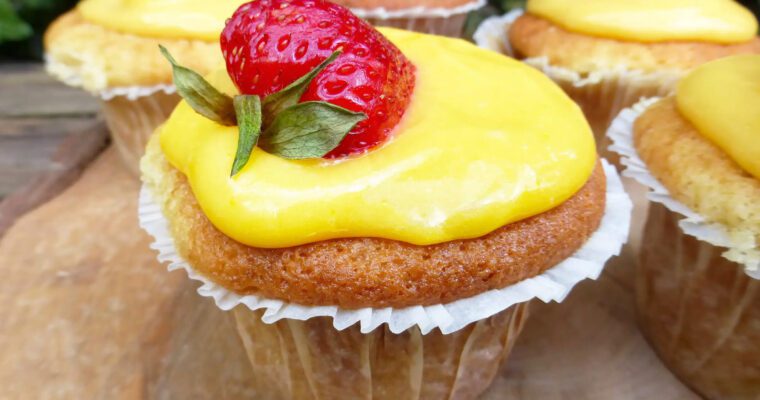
{"type": "Point", "coordinates": [110, 48]}
{"type": "Point", "coordinates": [606, 56]}
{"type": "Point", "coordinates": [440, 17]}
{"type": "Point", "coordinates": [697, 288]}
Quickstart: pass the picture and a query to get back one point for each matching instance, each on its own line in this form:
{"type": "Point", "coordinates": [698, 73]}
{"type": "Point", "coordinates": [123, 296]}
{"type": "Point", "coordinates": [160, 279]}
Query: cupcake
{"type": "Point", "coordinates": [439, 17]}
{"type": "Point", "coordinates": [608, 54]}
{"type": "Point", "coordinates": [698, 294]}
{"type": "Point", "coordinates": [110, 48]}
{"type": "Point", "coordinates": [377, 206]}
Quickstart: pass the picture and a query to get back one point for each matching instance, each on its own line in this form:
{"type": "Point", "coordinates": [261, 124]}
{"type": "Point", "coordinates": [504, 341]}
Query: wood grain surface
{"type": "Point", "coordinates": [86, 311]}
{"type": "Point", "coordinates": [73, 154]}
{"type": "Point", "coordinates": [37, 114]}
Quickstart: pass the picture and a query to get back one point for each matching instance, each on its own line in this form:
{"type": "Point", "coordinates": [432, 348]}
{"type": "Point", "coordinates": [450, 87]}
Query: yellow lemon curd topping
{"type": "Point", "coordinates": [721, 21]}
{"type": "Point", "coordinates": [485, 141]}
{"type": "Point", "coordinates": [722, 100]}
{"type": "Point", "coordinates": [178, 19]}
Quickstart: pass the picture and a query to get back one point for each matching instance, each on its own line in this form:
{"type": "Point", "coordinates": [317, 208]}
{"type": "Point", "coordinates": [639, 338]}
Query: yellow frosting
{"type": "Point", "coordinates": [486, 141]}
{"type": "Point", "coordinates": [179, 19]}
{"type": "Point", "coordinates": [721, 21]}
{"type": "Point", "coordinates": [722, 100]}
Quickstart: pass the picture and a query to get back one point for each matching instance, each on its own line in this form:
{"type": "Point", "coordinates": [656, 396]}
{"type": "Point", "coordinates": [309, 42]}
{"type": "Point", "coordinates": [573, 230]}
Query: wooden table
{"type": "Point", "coordinates": [87, 312]}
{"type": "Point", "coordinates": [48, 133]}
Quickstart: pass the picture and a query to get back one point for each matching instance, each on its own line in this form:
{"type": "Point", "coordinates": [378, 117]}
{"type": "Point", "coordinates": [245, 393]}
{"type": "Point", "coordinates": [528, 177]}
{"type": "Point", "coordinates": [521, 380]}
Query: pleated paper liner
{"type": "Point", "coordinates": [133, 118]}
{"type": "Point", "coordinates": [311, 360]}
{"type": "Point", "coordinates": [433, 20]}
{"type": "Point", "coordinates": [132, 113]}
{"type": "Point", "coordinates": [700, 311]}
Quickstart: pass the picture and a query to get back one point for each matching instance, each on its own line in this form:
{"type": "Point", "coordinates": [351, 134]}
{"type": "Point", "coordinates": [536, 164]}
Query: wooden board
{"type": "Point", "coordinates": [87, 312]}
{"type": "Point", "coordinates": [56, 172]}
{"type": "Point", "coordinates": [37, 114]}
{"type": "Point", "coordinates": [587, 347]}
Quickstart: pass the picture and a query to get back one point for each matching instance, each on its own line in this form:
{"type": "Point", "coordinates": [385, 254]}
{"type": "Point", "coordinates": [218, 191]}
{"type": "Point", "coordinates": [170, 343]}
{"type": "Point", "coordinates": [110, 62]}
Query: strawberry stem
{"type": "Point", "coordinates": [199, 94]}
{"type": "Point", "coordinates": [248, 111]}
{"type": "Point", "coordinates": [293, 130]}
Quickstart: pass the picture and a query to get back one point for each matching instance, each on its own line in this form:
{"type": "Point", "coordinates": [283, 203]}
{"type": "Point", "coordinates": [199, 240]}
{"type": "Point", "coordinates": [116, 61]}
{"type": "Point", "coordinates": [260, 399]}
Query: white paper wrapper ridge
{"type": "Point", "coordinates": [492, 32]}
{"type": "Point", "coordinates": [446, 21]}
{"type": "Point", "coordinates": [552, 285]}
{"type": "Point", "coordinates": [73, 76]}
{"type": "Point", "coordinates": [418, 12]}
{"type": "Point", "coordinates": [621, 133]}
{"type": "Point", "coordinates": [134, 92]}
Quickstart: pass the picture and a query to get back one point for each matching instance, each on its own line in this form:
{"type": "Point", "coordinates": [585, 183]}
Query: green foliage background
{"type": "Point", "coordinates": [23, 22]}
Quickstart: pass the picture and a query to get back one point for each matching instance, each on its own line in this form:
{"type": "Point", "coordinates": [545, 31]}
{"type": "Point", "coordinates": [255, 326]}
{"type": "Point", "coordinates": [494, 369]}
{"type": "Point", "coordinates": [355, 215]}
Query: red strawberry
{"type": "Point", "coordinates": [268, 44]}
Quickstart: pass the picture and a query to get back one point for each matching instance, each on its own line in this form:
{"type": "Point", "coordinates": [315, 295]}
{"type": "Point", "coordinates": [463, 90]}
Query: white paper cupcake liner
{"type": "Point", "coordinates": [552, 285]}
{"type": "Point", "coordinates": [418, 12]}
{"type": "Point", "coordinates": [432, 20]}
{"type": "Point", "coordinates": [132, 113]}
{"type": "Point", "coordinates": [135, 92]}
{"type": "Point", "coordinates": [491, 34]}
{"type": "Point", "coordinates": [621, 133]}
{"type": "Point", "coordinates": [72, 76]}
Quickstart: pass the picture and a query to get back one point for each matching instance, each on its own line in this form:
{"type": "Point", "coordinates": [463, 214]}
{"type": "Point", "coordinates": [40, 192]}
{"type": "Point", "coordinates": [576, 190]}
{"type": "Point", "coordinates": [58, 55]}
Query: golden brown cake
{"type": "Point", "coordinates": [533, 36]}
{"type": "Point", "coordinates": [369, 272]}
{"type": "Point", "coordinates": [696, 171]}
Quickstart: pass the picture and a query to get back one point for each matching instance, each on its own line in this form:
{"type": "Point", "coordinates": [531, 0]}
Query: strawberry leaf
{"type": "Point", "coordinates": [248, 111]}
{"type": "Point", "coordinates": [308, 130]}
{"type": "Point", "coordinates": [277, 102]}
{"type": "Point", "coordinates": [205, 99]}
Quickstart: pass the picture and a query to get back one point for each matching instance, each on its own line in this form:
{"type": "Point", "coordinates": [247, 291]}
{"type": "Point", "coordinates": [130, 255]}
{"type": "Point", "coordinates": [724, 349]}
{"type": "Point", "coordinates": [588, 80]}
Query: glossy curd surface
{"type": "Point", "coordinates": [177, 19]}
{"type": "Point", "coordinates": [486, 141]}
{"type": "Point", "coordinates": [721, 21]}
{"type": "Point", "coordinates": [722, 100]}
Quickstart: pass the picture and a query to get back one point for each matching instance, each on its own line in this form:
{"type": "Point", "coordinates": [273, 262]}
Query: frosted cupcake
{"type": "Point", "coordinates": [698, 296]}
{"type": "Point", "coordinates": [110, 48]}
{"type": "Point", "coordinates": [608, 54]}
{"type": "Point", "coordinates": [369, 248]}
